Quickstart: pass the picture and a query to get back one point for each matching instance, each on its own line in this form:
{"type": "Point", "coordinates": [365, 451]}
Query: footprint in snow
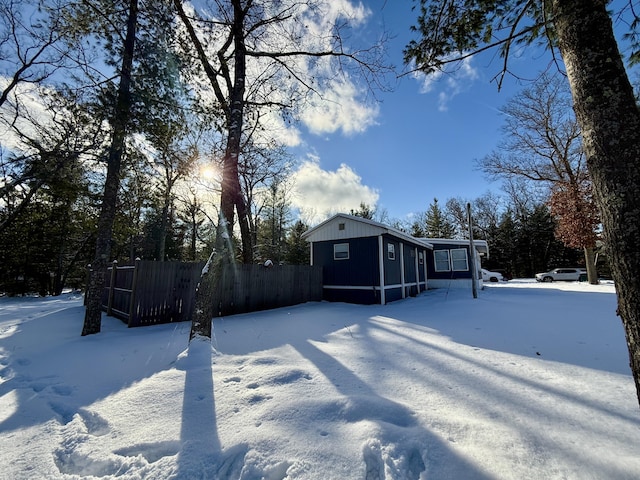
{"type": "Point", "coordinates": [380, 458]}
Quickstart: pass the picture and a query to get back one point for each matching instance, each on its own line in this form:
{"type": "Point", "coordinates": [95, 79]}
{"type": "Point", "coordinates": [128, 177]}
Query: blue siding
{"type": "Point", "coordinates": [391, 267]}
{"type": "Point", "coordinates": [360, 269]}
{"type": "Point", "coordinates": [409, 263]}
{"type": "Point", "coordinates": [393, 294]}
{"type": "Point", "coordinates": [364, 297]}
{"type": "Point", "coordinates": [421, 269]}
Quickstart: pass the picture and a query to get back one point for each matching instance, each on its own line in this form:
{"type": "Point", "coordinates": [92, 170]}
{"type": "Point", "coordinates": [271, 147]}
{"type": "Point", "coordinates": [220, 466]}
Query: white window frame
{"type": "Point", "coordinates": [391, 251]}
{"type": "Point", "coordinates": [439, 263]}
{"type": "Point", "coordinates": [461, 253]}
{"type": "Point", "coordinates": [339, 252]}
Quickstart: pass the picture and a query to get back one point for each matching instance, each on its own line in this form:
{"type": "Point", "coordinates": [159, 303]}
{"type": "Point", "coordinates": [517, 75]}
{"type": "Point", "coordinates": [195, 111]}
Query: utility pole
{"type": "Point", "coordinates": [472, 254]}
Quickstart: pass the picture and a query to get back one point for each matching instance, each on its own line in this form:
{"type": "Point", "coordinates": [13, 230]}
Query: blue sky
{"type": "Point", "coordinates": [423, 144]}
{"type": "Point", "coordinates": [418, 142]}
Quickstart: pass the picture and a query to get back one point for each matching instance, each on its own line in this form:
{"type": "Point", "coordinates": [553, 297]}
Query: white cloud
{"type": "Point", "coordinates": [318, 193]}
{"type": "Point", "coordinates": [31, 105]}
{"type": "Point", "coordinates": [450, 84]}
{"type": "Point", "coordinates": [340, 108]}
{"type": "Point", "coordinates": [318, 89]}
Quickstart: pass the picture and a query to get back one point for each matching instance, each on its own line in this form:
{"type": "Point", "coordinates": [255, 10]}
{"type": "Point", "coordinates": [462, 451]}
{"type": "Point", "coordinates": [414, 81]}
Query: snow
{"type": "Point", "coordinates": [526, 381]}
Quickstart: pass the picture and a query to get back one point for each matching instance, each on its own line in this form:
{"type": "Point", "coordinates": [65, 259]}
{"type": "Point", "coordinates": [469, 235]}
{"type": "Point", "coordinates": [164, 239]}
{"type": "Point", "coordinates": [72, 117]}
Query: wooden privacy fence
{"type": "Point", "coordinates": [150, 292]}
{"type": "Point", "coordinates": [249, 288]}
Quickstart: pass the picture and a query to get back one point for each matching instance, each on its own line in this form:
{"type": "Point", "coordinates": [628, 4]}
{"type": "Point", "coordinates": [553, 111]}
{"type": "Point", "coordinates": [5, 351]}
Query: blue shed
{"type": "Point", "coordinates": [367, 262]}
{"type": "Point", "coordinates": [449, 264]}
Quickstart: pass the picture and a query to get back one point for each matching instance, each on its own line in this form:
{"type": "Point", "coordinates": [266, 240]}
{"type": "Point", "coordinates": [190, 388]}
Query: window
{"type": "Point", "coordinates": [341, 226]}
{"type": "Point", "coordinates": [391, 251]}
{"type": "Point", "coordinates": [341, 251]}
{"type": "Point", "coordinates": [441, 258]}
{"type": "Point", "coordinates": [459, 259]}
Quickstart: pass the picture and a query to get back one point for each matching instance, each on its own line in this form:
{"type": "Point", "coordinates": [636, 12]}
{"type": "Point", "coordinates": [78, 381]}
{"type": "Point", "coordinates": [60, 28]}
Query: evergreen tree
{"type": "Point", "coordinates": [298, 250]}
{"type": "Point", "coordinates": [436, 223]}
{"type": "Point", "coordinates": [417, 227]}
{"type": "Point", "coordinates": [365, 211]}
{"type": "Point", "coordinates": [503, 249]}
{"type": "Point", "coordinates": [273, 224]}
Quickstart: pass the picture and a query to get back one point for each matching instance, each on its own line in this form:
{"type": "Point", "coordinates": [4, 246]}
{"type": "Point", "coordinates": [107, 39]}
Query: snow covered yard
{"type": "Point", "coordinates": [527, 381]}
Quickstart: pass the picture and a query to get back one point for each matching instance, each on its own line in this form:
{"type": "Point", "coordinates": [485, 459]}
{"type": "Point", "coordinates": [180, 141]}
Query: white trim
{"type": "Point", "coordinates": [416, 265]}
{"type": "Point", "coordinates": [383, 299]}
{"type": "Point", "coordinates": [402, 279]}
{"type": "Point", "coordinates": [391, 251]}
{"type": "Point", "coordinates": [481, 245]}
{"type": "Point", "coordinates": [424, 267]}
{"type": "Point", "coordinates": [449, 283]}
{"type": "Point", "coordinates": [435, 261]}
{"type": "Point", "coordinates": [466, 259]}
{"type": "Point", "coordinates": [348, 251]}
{"type": "Point", "coordinates": [375, 228]}
{"type": "Point", "coordinates": [365, 287]}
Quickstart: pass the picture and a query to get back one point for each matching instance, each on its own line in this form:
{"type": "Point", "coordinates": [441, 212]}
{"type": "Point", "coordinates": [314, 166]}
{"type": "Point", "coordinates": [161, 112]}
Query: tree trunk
{"type": "Point", "coordinates": [164, 227]}
{"type": "Point", "coordinates": [590, 262]}
{"type": "Point", "coordinates": [610, 122]}
{"type": "Point", "coordinates": [93, 312]}
{"type": "Point", "coordinates": [203, 304]}
{"type": "Point", "coordinates": [231, 196]}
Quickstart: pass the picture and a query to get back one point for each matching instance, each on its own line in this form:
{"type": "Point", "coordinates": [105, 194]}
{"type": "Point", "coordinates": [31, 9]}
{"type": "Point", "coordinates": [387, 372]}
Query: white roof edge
{"type": "Point", "coordinates": [481, 245]}
{"type": "Point", "coordinates": [455, 240]}
{"type": "Point", "coordinates": [388, 229]}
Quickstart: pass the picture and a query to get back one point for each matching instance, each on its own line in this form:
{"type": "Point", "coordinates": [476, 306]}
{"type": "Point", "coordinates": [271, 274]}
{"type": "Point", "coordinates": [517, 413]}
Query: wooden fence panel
{"type": "Point", "coordinates": [164, 292]}
{"type": "Point", "coordinates": [150, 292]}
{"type": "Point", "coordinates": [249, 288]}
{"type": "Point", "coordinates": [116, 295]}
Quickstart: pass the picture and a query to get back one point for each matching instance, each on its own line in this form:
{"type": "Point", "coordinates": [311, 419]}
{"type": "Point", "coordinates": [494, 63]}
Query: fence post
{"type": "Point", "coordinates": [114, 268]}
{"type": "Point", "coordinates": [134, 283]}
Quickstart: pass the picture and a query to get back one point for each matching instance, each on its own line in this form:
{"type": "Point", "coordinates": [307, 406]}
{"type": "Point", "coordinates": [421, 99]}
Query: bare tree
{"type": "Point", "coordinates": [260, 167]}
{"type": "Point", "coordinates": [542, 143]}
{"type": "Point", "coordinates": [32, 45]}
{"type": "Point", "coordinates": [174, 157]}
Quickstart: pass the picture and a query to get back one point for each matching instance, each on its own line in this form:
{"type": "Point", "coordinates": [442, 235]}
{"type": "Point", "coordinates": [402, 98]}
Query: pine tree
{"type": "Point", "coordinates": [364, 211]}
{"type": "Point", "coordinates": [298, 251]}
{"type": "Point", "coordinates": [436, 223]}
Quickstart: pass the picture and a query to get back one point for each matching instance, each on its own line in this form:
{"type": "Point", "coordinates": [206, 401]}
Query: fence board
{"type": "Point", "coordinates": [163, 292]}
{"type": "Point", "coordinates": [248, 288]}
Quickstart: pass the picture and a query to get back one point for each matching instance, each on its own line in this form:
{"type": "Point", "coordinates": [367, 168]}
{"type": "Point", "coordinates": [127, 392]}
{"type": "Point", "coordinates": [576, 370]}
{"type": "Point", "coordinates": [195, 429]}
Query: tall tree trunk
{"type": "Point", "coordinates": [231, 194]}
{"type": "Point", "coordinates": [231, 198]}
{"type": "Point", "coordinates": [93, 312]}
{"type": "Point", "coordinates": [610, 122]}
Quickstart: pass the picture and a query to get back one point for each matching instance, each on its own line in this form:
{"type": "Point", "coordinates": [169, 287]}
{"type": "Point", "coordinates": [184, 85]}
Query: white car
{"type": "Point", "coordinates": [564, 274]}
{"type": "Point", "coordinates": [489, 276]}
